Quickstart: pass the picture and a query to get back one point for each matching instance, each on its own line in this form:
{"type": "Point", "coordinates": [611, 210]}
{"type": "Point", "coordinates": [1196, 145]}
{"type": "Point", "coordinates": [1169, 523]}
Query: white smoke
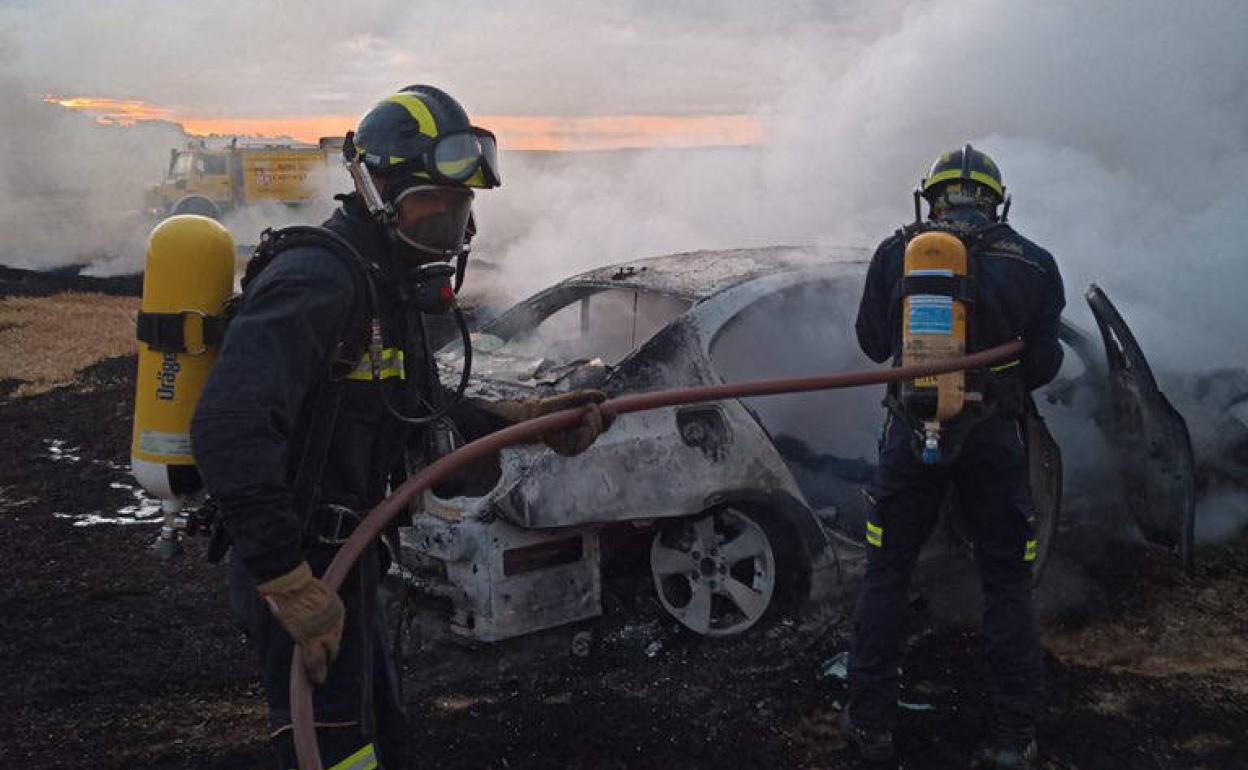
{"type": "Point", "coordinates": [71, 191]}
{"type": "Point", "coordinates": [1121, 127]}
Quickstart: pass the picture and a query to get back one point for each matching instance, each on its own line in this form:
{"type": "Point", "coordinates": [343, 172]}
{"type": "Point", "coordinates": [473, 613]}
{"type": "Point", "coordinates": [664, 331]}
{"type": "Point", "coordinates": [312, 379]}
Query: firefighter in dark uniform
{"type": "Point", "coordinates": [302, 425]}
{"type": "Point", "coordinates": [1018, 293]}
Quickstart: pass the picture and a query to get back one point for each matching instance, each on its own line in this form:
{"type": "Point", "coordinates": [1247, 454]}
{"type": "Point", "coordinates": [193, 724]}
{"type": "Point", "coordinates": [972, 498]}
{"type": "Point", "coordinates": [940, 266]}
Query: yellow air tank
{"type": "Point", "coordinates": [189, 277]}
{"type": "Point", "coordinates": [934, 329]}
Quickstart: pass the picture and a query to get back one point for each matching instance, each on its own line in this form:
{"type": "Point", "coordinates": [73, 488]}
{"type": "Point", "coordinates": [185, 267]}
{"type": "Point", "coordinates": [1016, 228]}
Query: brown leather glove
{"type": "Point", "coordinates": [311, 614]}
{"type": "Point", "coordinates": [570, 441]}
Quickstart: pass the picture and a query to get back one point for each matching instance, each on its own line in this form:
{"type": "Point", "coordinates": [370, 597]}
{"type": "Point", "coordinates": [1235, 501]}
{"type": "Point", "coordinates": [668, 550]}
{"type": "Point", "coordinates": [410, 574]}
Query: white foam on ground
{"type": "Point", "coordinates": [144, 511]}
{"type": "Point", "coordinates": [60, 452]}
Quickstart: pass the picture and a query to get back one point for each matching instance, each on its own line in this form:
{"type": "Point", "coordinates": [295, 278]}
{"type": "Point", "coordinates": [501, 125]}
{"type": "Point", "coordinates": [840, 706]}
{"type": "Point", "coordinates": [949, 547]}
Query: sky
{"type": "Point", "coordinates": [309, 57]}
{"type": "Point", "coordinates": [1121, 126]}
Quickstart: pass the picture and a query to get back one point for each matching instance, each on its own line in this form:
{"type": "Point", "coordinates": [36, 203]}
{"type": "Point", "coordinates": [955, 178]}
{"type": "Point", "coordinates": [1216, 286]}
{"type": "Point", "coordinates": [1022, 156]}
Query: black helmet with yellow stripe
{"type": "Point", "coordinates": [963, 178]}
{"type": "Point", "coordinates": [422, 134]}
{"type": "Point", "coordinates": [415, 160]}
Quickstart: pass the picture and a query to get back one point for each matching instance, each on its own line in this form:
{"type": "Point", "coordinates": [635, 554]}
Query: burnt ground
{"type": "Point", "coordinates": [111, 659]}
{"type": "Point", "coordinates": [17, 282]}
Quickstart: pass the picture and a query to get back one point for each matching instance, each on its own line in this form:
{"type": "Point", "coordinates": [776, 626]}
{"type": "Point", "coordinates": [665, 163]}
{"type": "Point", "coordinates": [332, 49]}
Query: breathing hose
{"type": "Point", "coordinates": [465, 374]}
{"type": "Point", "coordinates": [530, 431]}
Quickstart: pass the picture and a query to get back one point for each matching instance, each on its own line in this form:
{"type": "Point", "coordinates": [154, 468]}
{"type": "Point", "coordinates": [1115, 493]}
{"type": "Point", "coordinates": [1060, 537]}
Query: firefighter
{"type": "Point", "coordinates": [1014, 291]}
{"type": "Point", "coordinates": [308, 413]}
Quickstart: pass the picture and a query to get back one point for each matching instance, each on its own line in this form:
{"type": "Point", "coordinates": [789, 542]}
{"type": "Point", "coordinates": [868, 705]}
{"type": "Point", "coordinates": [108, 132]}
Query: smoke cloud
{"type": "Point", "coordinates": [1122, 127]}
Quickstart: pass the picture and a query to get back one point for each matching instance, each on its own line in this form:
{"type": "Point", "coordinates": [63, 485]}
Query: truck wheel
{"type": "Point", "coordinates": [196, 204]}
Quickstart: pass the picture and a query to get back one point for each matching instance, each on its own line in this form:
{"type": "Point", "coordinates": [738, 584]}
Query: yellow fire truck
{"type": "Point", "coordinates": [215, 180]}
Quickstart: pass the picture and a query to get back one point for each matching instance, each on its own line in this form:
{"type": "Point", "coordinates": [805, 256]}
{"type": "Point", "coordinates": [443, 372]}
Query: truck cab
{"type": "Point", "coordinates": [208, 180]}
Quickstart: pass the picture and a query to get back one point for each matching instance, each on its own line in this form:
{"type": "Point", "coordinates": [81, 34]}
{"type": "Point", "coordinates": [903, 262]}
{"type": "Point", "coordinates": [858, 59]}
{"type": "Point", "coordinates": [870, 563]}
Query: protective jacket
{"type": "Point", "coordinates": [260, 403]}
{"type": "Point", "coordinates": [1020, 294]}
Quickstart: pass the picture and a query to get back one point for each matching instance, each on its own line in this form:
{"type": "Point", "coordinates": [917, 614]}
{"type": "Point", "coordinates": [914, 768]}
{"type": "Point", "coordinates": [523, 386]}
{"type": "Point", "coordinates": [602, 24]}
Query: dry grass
{"type": "Point", "coordinates": [46, 341]}
{"type": "Point", "coordinates": [1183, 630]}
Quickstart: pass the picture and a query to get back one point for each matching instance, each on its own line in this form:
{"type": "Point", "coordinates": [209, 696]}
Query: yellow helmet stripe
{"type": "Point", "coordinates": [956, 173]}
{"type": "Point", "coordinates": [418, 110]}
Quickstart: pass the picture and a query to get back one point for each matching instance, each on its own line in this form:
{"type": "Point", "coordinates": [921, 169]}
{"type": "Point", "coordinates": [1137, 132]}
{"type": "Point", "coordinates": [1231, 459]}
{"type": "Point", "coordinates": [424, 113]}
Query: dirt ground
{"type": "Point", "coordinates": [112, 659]}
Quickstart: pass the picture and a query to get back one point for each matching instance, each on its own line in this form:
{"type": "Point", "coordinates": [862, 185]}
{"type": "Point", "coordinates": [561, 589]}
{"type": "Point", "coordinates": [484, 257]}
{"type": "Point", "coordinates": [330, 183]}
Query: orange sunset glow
{"type": "Point", "coordinates": [515, 132]}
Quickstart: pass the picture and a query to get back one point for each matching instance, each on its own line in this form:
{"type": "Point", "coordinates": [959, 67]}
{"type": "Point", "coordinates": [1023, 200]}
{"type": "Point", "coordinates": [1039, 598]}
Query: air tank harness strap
{"type": "Point", "coordinates": [990, 392]}
{"type": "Point", "coordinates": [1001, 386]}
{"type": "Point", "coordinates": [167, 332]}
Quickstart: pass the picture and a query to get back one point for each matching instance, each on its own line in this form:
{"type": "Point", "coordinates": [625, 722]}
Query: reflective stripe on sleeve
{"type": "Point", "coordinates": [1029, 551]}
{"type": "Point", "coordinates": [391, 366]}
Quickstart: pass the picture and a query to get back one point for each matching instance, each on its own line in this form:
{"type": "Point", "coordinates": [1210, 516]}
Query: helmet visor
{"type": "Point", "coordinates": [433, 218]}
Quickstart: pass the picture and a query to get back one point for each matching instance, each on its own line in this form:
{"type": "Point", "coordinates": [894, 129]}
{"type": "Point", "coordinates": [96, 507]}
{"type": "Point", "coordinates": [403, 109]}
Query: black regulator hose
{"type": "Point", "coordinates": [530, 431]}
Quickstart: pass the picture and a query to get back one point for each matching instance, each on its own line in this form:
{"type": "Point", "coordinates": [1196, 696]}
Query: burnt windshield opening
{"type": "Point", "coordinates": [570, 339]}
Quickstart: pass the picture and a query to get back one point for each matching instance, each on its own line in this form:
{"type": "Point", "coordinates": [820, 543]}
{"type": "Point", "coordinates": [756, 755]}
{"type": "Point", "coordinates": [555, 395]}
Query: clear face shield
{"type": "Point", "coordinates": [432, 219]}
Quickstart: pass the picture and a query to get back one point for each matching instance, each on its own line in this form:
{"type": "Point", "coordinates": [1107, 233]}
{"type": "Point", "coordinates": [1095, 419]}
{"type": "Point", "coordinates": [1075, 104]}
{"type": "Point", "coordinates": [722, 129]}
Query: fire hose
{"type": "Point", "coordinates": [530, 431]}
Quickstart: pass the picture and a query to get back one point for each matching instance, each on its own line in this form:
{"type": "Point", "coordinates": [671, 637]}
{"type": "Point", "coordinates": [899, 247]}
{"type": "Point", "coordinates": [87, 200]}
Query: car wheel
{"type": "Point", "coordinates": [716, 573]}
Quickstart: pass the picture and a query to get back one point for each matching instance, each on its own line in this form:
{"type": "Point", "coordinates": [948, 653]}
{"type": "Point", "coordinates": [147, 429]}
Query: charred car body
{"type": "Point", "coordinates": [742, 506]}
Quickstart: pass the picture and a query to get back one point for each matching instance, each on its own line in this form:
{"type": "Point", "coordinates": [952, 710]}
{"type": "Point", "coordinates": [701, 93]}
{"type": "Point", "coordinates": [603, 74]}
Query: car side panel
{"type": "Point", "coordinates": [645, 467]}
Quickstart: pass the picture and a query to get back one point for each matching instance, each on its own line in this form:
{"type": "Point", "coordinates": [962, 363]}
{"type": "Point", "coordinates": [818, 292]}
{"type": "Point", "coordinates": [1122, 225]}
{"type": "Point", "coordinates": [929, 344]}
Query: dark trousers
{"type": "Point", "coordinates": [990, 478]}
{"type": "Point", "coordinates": [358, 709]}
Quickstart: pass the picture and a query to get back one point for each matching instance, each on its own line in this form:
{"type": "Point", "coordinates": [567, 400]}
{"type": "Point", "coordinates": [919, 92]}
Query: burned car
{"type": "Point", "coordinates": [742, 507]}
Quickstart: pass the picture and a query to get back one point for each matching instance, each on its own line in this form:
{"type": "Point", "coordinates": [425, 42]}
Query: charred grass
{"type": "Point", "coordinates": [110, 659]}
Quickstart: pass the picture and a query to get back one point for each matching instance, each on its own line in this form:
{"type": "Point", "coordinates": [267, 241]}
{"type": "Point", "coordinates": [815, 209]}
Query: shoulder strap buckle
{"type": "Point", "coordinates": [168, 332]}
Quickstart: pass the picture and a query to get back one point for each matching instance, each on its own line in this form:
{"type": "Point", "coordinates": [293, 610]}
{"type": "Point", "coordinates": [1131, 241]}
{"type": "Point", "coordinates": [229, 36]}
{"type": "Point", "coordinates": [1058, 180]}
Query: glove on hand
{"type": "Point", "coordinates": [570, 441]}
{"type": "Point", "coordinates": [311, 614]}
{"type": "Point", "coordinates": [574, 440]}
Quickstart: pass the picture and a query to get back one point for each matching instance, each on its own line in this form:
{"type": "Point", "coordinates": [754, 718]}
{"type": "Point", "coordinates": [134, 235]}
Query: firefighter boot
{"type": "Point", "coordinates": [875, 746]}
{"type": "Point", "coordinates": [1004, 755]}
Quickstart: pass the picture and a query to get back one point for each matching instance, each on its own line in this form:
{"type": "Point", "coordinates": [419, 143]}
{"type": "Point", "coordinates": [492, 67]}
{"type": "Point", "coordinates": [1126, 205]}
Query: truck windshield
{"type": "Point", "coordinates": [181, 167]}
{"type": "Point", "coordinates": [214, 165]}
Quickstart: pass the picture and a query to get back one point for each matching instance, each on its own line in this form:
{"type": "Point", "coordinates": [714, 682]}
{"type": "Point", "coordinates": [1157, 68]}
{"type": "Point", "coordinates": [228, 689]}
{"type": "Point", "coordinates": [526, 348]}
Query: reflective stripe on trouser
{"type": "Point", "coordinates": [391, 366]}
{"type": "Point", "coordinates": [364, 759]}
{"type": "Point", "coordinates": [991, 480]}
{"type": "Point", "coordinates": [1029, 550]}
{"type": "Point", "coordinates": [358, 705]}
{"type": "Point", "coordinates": [875, 534]}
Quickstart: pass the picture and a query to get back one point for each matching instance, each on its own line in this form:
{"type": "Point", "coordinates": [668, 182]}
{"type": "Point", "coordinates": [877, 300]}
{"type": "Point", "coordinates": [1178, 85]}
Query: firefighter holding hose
{"type": "Point", "coordinates": [962, 281]}
{"type": "Point", "coordinates": [324, 386]}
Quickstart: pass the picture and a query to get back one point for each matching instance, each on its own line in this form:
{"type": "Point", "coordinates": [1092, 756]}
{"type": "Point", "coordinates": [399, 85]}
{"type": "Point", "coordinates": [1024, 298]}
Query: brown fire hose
{"type": "Point", "coordinates": [529, 432]}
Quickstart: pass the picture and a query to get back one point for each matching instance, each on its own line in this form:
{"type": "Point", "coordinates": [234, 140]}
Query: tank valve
{"type": "Point", "coordinates": [168, 544]}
